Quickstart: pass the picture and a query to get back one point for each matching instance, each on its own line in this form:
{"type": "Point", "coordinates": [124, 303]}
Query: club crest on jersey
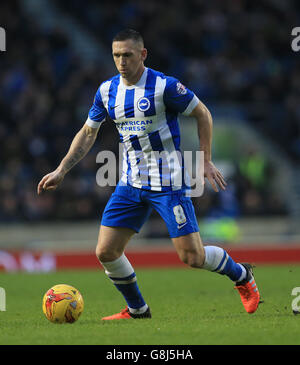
{"type": "Point", "coordinates": [143, 104]}
{"type": "Point", "coordinates": [181, 89]}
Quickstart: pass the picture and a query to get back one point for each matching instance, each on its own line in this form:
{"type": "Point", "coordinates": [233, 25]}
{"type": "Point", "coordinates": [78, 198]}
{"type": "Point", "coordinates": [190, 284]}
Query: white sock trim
{"type": "Point", "coordinates": [213, 257]}
{"type": "Point", "coordinates": [119, 268]}
{"type": "Point", "coordinates": [244, 273]}
{"type": "Point", "coordinates": [138, 310]}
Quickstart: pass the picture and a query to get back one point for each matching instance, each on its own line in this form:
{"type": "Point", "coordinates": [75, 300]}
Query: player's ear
{"type": "Point", "coordinates": [144, 54]}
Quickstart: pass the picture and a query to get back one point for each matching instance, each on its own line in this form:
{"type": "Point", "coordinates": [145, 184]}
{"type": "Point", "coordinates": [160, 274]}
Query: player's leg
{"type": "Point", "coordinates": [216, 259]}
{"type": "Point", "coordinates": [112, 242]}
{"type": "Point", "coordinates": [213, 258]}
{"type": "Point", "coordinates": [123, 216]}
{"type": "Point", "coordinates": [110, 252]}
{"type": "Point", "coordinates": [178, 213]}
{"type": "Point", "coordinates": [190, 249]}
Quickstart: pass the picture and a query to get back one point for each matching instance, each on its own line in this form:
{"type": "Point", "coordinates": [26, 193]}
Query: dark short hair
{"type": "Point", "coordinates": [125, 34]}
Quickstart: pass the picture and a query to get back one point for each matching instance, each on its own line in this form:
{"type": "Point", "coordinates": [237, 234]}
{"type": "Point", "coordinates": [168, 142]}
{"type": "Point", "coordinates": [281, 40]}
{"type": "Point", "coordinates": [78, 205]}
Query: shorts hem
{"type": "Point", "coordinates": [183, 233]}
{"type": "Point", "coordinates": [121, 225]}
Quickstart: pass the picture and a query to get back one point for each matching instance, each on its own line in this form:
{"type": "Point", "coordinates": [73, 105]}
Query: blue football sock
{"type": "Point", "coordinates": [123, 277]}
{"type": "Point", "coordinates": [130, 290]}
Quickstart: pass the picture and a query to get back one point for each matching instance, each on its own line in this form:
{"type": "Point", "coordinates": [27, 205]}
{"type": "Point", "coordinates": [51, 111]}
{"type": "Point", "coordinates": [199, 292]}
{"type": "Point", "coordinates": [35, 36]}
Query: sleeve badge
{"type": "Point", "coordinates": [181, 89]}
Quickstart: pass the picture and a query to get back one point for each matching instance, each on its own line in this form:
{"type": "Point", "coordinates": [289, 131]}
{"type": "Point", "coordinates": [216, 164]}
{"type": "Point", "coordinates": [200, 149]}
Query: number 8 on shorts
{"type": "Point", "coordinates": [179, 214]}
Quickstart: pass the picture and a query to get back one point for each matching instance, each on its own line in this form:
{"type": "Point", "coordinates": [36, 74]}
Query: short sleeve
{"type": "Point", "coordinates": [97, 112]}
{"type": "Point", "coordinates": [179, 98]}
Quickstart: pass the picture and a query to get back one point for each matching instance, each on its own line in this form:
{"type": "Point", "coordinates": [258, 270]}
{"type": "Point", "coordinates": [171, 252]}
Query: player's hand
{"type": "Point", "coordinates": [50, 181]}
{"type": "Point", "coordinates": [214, 176]}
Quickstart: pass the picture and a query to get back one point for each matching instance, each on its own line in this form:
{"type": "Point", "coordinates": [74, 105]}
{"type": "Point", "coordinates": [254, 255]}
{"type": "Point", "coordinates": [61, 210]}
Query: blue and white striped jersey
{"type": "Point", "coordinates": [146, 116]}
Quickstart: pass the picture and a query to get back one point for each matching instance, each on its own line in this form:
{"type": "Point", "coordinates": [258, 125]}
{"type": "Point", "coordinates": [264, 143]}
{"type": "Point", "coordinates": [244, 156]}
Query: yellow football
{"type": "Point", "coordinates": [62, 304]}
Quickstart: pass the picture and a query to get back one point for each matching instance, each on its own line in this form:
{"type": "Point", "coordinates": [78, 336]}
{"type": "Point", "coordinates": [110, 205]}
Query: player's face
{"type": "Point", "coordinates": [129, 57]}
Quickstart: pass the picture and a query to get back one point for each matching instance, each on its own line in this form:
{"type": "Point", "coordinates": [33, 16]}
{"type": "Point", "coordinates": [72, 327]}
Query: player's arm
{"type": "Point", "coordinates": [205, 128]}
{"type": "Point", "coordinates": [81, 144]}
{"type": "Point", "coordinates": [177, 97]}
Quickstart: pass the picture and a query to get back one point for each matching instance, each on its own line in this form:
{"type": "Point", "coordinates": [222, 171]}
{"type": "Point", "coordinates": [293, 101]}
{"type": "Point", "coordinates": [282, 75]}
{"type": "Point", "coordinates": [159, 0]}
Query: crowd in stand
{"type": "Point", "coordinates": [230, 52]}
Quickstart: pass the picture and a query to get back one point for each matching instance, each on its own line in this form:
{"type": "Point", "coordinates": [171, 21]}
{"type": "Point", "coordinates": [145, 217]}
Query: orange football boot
{"type": "Point", "coordinates": [125, 314]}
{"type": "Point", "coordinates": [248, 290]}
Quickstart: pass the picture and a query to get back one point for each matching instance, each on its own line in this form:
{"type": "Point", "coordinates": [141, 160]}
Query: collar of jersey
{"type": "Point", "coordinates": [140, 83]}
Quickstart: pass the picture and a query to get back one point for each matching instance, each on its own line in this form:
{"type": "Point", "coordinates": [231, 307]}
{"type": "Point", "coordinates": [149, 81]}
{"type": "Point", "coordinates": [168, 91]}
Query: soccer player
{"type": "Point", "coordinates": [144, 104]}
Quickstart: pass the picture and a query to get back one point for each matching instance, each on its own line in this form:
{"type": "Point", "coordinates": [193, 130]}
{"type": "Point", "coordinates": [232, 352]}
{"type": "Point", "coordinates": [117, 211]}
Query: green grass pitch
{"type": "Point", "coordinates": [189, 307]}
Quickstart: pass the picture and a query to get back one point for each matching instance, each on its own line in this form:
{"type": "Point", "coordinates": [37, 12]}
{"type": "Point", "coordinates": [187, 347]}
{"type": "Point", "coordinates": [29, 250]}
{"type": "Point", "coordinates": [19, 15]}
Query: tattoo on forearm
{"type": "Point", "coordinates": [80, 146]}
{"type": "Point", "coordinates": [77, 155]}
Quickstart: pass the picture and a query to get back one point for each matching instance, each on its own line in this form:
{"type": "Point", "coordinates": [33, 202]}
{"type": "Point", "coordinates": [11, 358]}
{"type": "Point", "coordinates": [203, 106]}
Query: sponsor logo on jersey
{"type": "Point", "coordinates": [134, 125]}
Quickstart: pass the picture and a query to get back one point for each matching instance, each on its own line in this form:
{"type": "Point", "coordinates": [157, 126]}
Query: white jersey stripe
{"type": "Point", "coordinates": [135, 173]}
{"type": "Point", "coordinates": [124, 165]}
{"type": "Point", "coordinates": [104, 90]}
{"type": "Point", "coordinates": [153, 167]}
{"type": "Point", "coordinates": [120, 105]}
{"type": "Point", "coordinates": [174, 158]}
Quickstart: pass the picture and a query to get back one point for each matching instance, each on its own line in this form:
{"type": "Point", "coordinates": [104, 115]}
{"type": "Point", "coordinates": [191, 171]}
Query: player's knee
{"type": "Point", "coordinates": [105, 255]}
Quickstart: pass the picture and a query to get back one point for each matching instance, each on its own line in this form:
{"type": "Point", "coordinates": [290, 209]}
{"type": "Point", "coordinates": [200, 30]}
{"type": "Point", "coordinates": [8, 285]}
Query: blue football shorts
{"type": "Point", "coordinates": [130, 207]}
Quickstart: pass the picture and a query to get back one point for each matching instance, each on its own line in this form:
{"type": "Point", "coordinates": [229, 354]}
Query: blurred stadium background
{"type": "Point", "coordinates": [234, 54]}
